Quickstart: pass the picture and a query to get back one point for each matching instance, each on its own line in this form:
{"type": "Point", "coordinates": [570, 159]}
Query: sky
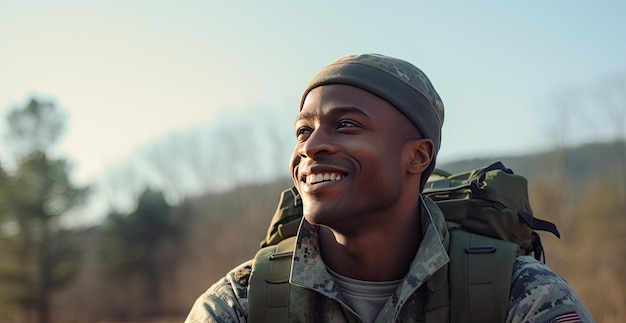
{"type": "Point", "coordinates": [130, 72]}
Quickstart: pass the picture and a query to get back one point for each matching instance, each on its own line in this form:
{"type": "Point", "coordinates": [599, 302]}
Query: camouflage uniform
{"type": "Point", "coordinates": [537, 293]}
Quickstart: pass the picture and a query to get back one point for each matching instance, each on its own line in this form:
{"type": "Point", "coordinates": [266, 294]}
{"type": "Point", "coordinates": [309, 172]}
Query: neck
{"type": "Point", "coordinates": [380, 252]}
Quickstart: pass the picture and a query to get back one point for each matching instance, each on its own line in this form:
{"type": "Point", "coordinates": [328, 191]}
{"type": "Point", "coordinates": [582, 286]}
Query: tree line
{"type": "Point", "coordinates": [38, 255]}
{"type": "Point", "coordinates": [176, 236]}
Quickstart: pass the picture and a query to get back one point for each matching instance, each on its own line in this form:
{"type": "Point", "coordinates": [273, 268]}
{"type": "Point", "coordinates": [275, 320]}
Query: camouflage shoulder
{"type": "Point", "coordinates": [226, 300]}
{"type": "Point", "coordinates": [538, 294]}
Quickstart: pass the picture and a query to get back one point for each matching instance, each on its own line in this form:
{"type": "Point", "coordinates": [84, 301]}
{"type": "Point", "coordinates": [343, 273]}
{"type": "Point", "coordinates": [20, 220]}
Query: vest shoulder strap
{"type": "Point", "coordinates": [268, 289]}
{"type": "Point", "coordinates": [479, 275]}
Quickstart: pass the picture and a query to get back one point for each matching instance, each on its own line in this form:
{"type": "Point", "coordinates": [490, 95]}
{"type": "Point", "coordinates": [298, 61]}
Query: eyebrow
{"type": "Point", "coordinates": [336, 111]}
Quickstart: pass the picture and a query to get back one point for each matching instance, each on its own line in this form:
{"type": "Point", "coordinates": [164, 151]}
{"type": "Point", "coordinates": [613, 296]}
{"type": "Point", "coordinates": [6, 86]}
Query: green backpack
{"type": "Point", "coordinates": [490, 222]}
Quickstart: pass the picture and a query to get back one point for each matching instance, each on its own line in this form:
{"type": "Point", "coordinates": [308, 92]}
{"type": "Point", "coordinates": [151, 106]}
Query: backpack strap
{"type": "Point", "coordinates": [269, 291]}
{"type": "Point", "coordinates": [480, 277]}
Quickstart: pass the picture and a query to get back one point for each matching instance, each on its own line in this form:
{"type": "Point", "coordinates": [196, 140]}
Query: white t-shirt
{"type": "Point", "coordinates": [366, 298]}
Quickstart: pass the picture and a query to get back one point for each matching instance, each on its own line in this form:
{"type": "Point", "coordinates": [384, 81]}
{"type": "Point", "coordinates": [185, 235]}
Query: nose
{"type": "Point", "coordinates": [318, 142]}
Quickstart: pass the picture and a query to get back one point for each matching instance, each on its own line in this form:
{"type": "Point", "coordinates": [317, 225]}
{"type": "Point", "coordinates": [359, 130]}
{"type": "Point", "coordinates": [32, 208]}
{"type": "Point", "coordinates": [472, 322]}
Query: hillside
{"type": "Point", "coordinates": [223, 230]}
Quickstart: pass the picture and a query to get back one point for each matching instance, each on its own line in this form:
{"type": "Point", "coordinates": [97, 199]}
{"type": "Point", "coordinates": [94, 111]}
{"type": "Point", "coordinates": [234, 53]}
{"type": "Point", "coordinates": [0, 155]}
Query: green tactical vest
{"type": "Point", "coordinates": [489, 221]}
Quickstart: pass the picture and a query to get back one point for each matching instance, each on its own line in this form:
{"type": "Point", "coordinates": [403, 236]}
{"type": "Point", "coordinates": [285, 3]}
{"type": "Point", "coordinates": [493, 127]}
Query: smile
{"type": "Point", "coordinates": [323, 177]}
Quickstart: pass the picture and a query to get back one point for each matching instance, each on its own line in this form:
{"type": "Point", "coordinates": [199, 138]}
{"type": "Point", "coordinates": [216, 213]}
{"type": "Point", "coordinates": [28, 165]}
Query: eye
{"type": "Point", "coordinates": [303, 132]}
{"type": "Point", "coordinates": [346, 124]}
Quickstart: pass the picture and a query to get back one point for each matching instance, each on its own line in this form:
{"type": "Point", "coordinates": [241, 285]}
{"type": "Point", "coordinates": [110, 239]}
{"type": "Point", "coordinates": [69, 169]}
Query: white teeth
{"type": "Point", "coordinates": [316, 178]}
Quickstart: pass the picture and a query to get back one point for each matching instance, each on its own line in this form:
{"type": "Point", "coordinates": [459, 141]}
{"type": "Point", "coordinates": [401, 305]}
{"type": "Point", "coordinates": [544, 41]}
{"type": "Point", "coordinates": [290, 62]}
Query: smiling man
{"type": "Point", "coordinates": [368, 133]}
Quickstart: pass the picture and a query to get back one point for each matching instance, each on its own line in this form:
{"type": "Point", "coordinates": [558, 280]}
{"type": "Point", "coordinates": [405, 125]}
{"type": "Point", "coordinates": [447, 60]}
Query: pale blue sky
{"type": "Point", "coordinates": [128, 72]}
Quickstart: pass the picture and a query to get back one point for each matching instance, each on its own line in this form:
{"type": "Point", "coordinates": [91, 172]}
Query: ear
{"type": "Point", "coordinates": [420, 153]}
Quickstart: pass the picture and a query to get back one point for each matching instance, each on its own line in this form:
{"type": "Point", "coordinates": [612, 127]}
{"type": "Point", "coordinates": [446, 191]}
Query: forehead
{"type": "Point", "coordinates": [334, 98]}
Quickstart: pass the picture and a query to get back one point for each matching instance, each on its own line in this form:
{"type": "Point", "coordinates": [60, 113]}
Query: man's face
{"type": "Point", "coordinates": [347, 162]}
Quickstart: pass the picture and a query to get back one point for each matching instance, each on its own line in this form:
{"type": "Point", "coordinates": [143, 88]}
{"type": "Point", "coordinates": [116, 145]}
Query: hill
{"type": "Point", "coordinates": [572, 187]}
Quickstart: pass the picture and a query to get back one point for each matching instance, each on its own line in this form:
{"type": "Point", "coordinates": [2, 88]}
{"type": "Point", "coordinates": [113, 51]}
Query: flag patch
{"type": "Point", "coordinates": [571, 317]}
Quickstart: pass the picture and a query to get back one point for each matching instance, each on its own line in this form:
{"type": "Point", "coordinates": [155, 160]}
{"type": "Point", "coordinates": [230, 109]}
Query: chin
{"type": "Point", "coordinates": [317, 216]}
{"type": "Point", "coordinates": [324, 217]}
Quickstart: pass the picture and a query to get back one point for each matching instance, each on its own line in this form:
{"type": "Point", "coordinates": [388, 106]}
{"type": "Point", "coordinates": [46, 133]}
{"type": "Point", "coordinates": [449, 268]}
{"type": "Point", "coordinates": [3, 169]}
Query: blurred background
{"type": "Point", "coordinates": [144, 144]}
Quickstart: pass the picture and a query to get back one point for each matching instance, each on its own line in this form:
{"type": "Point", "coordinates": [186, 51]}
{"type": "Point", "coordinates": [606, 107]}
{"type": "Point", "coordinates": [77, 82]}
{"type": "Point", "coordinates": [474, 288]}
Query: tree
{"type": "Point", "coordinates": [135, 246]}
{"type": "Point", "coordinates": [566, 103]}
{"type": "Point", "coordinates": [36, 127]}
{"type": "Point", "coordinates": [611, 98]}
{"type": "Point", "coordinates": [38, 256]}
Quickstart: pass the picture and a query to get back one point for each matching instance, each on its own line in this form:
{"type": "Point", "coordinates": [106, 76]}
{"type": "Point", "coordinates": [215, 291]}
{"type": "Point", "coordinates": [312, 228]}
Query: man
{"type": "Point", "coordinates": [368, 133]}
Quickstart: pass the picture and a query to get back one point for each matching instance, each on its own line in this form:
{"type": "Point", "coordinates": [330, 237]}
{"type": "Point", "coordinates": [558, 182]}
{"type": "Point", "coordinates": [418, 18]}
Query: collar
{"type": "Point", "coordinates": [309, 271]}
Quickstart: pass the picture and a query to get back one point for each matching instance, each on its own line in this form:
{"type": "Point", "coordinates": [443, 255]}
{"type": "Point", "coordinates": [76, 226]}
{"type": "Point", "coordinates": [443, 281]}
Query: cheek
{"type": "Point", "coordinates": [382, 169]}
{"type": "Point", "coordinates": [378, 153]}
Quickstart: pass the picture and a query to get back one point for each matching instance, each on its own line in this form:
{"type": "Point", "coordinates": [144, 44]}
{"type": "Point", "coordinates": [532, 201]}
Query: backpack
{"type": "Point", "coordinates": [490, 223]}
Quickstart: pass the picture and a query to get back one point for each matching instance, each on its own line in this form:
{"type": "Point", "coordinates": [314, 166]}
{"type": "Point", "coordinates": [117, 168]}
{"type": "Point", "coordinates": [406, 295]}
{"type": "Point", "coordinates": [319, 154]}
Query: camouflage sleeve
{"type": "Point", "coordinates": [540, 295]}
{"type": "Point", "coordinates": [226, 301]}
